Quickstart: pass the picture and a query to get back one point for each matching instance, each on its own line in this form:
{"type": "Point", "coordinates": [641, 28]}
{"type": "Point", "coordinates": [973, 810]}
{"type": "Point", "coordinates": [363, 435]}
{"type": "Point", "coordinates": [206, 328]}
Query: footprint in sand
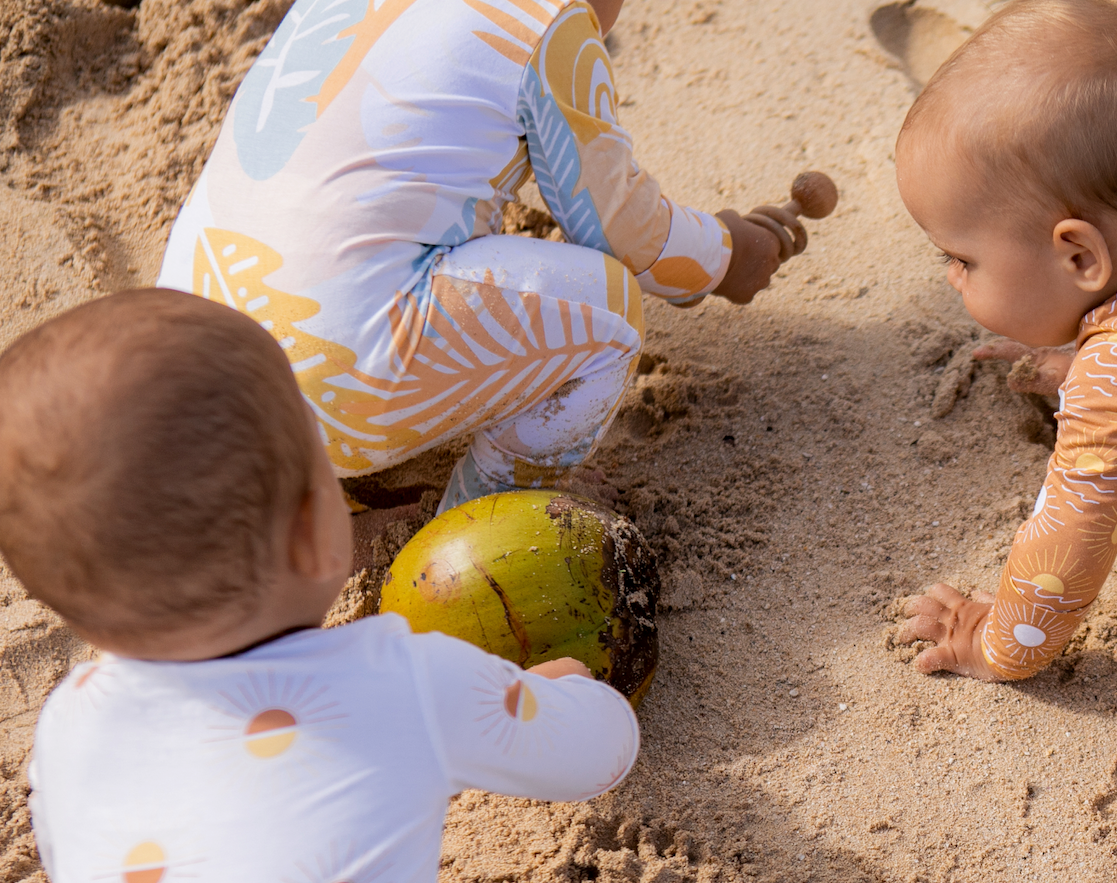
{"type": "Point", "coordinates": [921, 38]}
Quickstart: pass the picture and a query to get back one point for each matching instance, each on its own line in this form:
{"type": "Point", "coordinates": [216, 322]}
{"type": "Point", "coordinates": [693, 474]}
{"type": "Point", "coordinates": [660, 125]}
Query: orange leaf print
{"type": "Point", "coordinates": [475, 361]}
{"type": "Point", "coordinates": [365, 33]}
{"type": "Point", "coordinates": [461, 359]}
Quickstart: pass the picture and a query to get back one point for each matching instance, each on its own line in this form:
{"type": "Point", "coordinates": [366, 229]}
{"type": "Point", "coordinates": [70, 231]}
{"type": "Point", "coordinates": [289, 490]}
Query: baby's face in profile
{"type": "Point", "coordinates": [1005, 268]}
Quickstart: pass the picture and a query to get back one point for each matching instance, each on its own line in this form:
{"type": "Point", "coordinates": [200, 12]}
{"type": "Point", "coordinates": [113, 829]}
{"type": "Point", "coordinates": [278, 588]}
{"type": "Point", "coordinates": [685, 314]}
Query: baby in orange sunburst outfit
{"type": "Point", "coordinates": [349, 207]}
{"type": "Point", "coordinates": [1008, 161]}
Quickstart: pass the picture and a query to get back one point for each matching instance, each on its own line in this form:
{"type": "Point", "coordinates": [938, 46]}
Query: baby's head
{"type": "Point", "coordinates": [1008, 160]}
{"type": "Point", "coordinates": [161, 483]}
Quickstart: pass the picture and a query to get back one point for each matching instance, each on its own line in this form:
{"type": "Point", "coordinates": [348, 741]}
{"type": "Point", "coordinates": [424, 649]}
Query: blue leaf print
{"type": "Point", "coordinates": [553, 151]}
{"type": "Point", "coordinates": [272, 110]}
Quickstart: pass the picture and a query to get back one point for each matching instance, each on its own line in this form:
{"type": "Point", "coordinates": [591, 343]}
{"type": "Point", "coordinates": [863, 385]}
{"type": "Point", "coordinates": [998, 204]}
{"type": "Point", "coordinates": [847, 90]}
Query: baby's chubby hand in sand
{"type": "Point", "coordinates": [756, 256]}
{"type": "Point", "coordinates": [1039, 370]}
{"type": "Point", "coordinates": [954, 622]}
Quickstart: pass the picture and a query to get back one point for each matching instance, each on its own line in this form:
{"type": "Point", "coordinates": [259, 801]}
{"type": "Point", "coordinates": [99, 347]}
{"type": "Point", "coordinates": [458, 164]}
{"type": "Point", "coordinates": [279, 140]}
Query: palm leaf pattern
{"type": "Point", "coordinates": [558, 164]}
{"type": "Point", "coordinates": [468, 356]}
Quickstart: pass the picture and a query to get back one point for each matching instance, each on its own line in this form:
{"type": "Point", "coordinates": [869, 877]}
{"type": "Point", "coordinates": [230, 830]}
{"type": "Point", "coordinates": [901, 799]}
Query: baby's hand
{"type": "Point", "coordinates": [756, 256]}
{"type": "Point", "coordinates": [558, 668]}
{"type": "Point", "coordinates": [954, 622]}
{"type": "Point", "coordinates": [1039, 370]}
{"type": "Point", "coordinates": [552, 669]}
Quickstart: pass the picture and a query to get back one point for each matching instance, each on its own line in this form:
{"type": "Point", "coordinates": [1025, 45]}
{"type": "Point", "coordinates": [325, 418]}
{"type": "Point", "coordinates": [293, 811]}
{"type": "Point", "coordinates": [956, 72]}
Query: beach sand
{"type": "Point", "coordinates": [798, 464]}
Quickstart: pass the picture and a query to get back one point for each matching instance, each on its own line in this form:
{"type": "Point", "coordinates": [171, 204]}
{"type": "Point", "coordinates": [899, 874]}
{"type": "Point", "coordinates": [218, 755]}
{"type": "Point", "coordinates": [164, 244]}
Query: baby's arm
{"type": "Point", "coordinates": [1061, 555]}
{"type": "Point", "coordinates": [551, 733]}
{"type": "Point", "coordinates": [586, 173]}
{"type": "Point", "coordinates": [1039, 370]}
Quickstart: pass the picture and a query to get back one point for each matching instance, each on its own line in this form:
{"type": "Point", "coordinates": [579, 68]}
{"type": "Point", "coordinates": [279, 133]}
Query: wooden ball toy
{"type": "Point", "coordinates": [533, 576]}
{"type": "Point", "coordinates": [813, 195]}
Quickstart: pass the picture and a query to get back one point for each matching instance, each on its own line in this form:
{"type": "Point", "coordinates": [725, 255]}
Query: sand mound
{"type": "Point", "coordinates": [799, 464]}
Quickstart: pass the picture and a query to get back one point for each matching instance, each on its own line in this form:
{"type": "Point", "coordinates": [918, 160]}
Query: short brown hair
{"type": "Point", "coordinates": [150, 442]}
{"type": "Point", "coordinates": [1031, 101]}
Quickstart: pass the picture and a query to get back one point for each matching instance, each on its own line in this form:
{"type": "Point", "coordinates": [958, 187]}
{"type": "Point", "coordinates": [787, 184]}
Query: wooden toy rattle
{"type": "Point", "coordinates": [813, 195]}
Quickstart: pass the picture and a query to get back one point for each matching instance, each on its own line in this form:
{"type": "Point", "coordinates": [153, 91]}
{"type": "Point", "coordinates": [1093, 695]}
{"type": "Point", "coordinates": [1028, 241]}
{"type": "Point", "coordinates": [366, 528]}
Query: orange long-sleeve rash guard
{"type": "Point", "coordinates": [1063, 554]}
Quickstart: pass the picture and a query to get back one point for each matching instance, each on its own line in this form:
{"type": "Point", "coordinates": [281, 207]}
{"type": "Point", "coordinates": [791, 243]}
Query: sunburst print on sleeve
{"type": "Point", "coordinates": [1053, 575]}
{"type": "Point", "coordinates": [621, 764]}
{"type": "Point", "coordinates": [89, 683]}
{"type": "Point", "coordinates": [1062, 555]}
{"type": "Point", "coordinates": [1092, 380]}
{"type": "Point", "coordinates": [513, 718]}
{"type": "Point", "coordinates": [1086, 502]}
{"type": "Point", "coordinates": [1021, 638]}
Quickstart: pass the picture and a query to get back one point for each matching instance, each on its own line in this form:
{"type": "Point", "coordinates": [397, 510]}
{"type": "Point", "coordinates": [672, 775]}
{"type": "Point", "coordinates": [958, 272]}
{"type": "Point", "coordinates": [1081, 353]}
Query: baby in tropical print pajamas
{"type": "Point", "coordinates": [163, 488]}
{"type": "Point", "coordinates": [1008, 160]}
{"type": "Point", "coordinates": [348, 205]}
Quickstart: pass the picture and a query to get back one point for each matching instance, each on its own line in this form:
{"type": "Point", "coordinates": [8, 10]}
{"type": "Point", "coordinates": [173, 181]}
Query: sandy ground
{"type": "Point", "coordinates": [799, 464]}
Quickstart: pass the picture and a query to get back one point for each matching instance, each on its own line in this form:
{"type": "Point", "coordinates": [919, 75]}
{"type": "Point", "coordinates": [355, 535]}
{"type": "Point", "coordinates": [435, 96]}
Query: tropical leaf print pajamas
{"type": "Point", "coordinates": [348, 207]}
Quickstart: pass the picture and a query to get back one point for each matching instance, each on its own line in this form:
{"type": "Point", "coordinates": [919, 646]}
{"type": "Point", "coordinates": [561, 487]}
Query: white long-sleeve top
{"type": "Point", "coordinates": [323, 756]}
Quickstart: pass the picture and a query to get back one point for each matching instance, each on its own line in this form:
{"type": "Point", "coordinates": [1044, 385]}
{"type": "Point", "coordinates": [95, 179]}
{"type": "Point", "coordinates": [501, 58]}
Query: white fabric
{"type": "Point", "coordinates": [326, 755]}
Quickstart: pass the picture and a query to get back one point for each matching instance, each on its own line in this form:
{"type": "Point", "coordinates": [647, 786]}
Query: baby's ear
{"type": "Point", "coordinates": [318, 540]}
{"type": "Point", "coordinates": [1083, 254]}
{"type": "Point", "coordinates": [302, 540]}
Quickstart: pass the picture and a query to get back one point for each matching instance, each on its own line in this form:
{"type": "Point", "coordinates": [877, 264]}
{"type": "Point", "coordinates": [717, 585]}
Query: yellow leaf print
{"type": "Point", "coordinates": [231, 268]}
{"type": "Point", "coordinates": [465, 360]}
{"type": "Point", "coordinates": [681, 273]}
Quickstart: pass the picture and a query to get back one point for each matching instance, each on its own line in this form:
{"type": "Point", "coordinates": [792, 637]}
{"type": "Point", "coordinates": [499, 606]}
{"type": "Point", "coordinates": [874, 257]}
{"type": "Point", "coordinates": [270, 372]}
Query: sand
{"type": "Point", "coordinates": [799, 464]}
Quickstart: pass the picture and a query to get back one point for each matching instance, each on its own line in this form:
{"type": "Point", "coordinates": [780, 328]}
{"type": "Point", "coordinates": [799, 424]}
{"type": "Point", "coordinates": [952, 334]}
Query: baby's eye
{"type": "Point", "coordinates": [952, 261]}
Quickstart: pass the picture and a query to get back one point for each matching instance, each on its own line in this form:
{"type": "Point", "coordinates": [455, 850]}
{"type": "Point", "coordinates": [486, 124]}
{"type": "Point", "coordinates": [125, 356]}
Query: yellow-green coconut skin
{"type": "Point", "coordinates": [532, 576]}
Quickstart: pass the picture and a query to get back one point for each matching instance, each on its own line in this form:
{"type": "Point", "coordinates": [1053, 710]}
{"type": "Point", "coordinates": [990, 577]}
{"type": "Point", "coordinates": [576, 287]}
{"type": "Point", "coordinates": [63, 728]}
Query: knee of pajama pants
{"type": "Point", "coordinates": [537, 447]}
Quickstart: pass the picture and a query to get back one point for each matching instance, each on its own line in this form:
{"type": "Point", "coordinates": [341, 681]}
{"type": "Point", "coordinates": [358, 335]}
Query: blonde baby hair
{"type": "Point", "coordinates": [1030, 103]}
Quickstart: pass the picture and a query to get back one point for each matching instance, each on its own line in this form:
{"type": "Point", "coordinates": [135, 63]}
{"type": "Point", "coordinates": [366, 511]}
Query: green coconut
{"type": "Point", "coordinates": [532, 576]}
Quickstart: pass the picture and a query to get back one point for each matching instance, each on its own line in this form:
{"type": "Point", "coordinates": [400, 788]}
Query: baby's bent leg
{"type": "Point", "coordinates": [570, 326]}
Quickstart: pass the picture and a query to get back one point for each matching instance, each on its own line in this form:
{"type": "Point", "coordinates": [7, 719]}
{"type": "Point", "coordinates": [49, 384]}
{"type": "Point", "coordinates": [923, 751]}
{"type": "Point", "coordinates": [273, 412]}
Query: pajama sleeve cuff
{"type": "Point", "coordinates": [694, 257]}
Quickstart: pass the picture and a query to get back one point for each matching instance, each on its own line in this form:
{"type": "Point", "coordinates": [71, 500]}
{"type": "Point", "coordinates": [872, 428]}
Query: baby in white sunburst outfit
{"type": "Point", "coordinates": [162, 487]}
{"type": "Point", "coordinates": [1008, 160]}
{"type": "Point", "coordinates": [348, 207]}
